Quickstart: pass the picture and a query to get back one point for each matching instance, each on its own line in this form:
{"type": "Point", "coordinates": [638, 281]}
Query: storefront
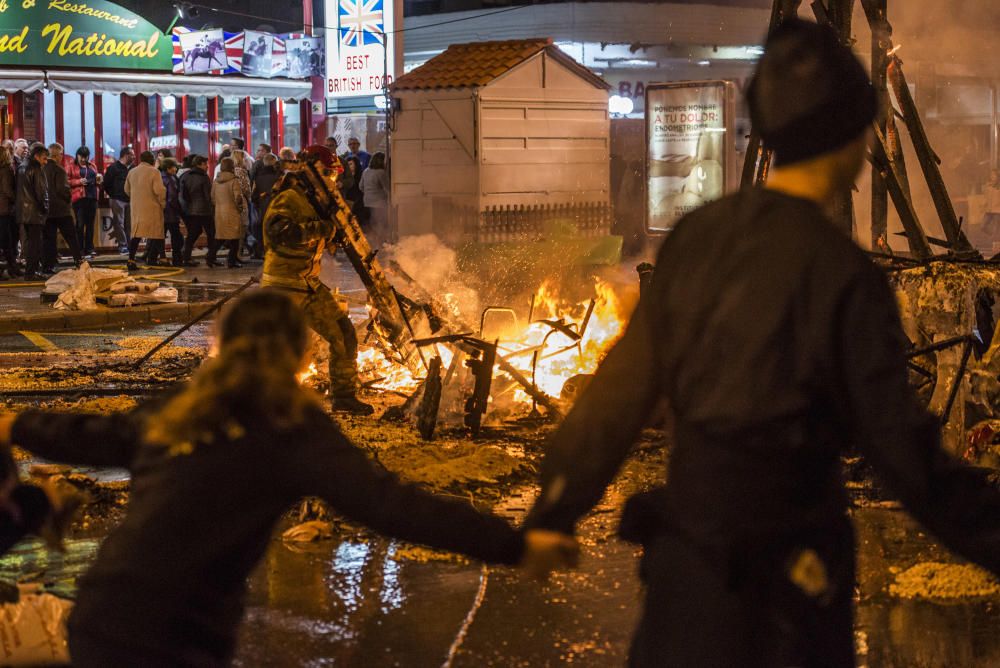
{"type": "Point", "coordinates": [97, 75]}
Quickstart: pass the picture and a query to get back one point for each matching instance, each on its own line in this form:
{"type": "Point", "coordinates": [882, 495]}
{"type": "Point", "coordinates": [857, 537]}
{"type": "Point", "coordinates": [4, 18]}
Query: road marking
{"type": "Point", "coordinates": [40, 341]}
{"type": "Point", "coordinates": [102, 335]}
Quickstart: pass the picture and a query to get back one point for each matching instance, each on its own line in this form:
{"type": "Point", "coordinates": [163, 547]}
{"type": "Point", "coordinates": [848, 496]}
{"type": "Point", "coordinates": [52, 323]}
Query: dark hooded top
{"type": "Point", "coordinates": [778, 345]}
{"type": "Point", "coordinates": [168, 584]}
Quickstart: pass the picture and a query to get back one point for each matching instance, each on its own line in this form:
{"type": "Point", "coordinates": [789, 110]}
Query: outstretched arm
{"type": "Point", "coordinates": [334, 469]}
{"type": "Point", "coordinates": [90, 440]}
{"type": "Point", "coordinates": [586, 451]}
{"type": "Point", "coordinates": [955, 501]}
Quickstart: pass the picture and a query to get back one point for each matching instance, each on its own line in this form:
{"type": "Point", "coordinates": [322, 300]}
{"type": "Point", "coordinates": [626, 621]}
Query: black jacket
{"type": "Point", "coordinates": [172, 212]}
{"type": "Point", "coordinates": [778, 345]}
{"type": "Point", "coordinates": [170, 581]}
{"type": "Point", "coordinates": [60, 205]}
{"type": "Point", "coordinates": [264, 179]}
{"type": "Point", "coordinates": [114, 181]}
{"type": "Point", "coordinates": [32, 509]}
{"type": "Point", "coordinates": [24, 510]}
{"type": "Point", "coordinates": [32, 194]}
{"type": "Point", "coordinates": [196, 193]}
{"type": "Point", "coordinates": [8, 194]}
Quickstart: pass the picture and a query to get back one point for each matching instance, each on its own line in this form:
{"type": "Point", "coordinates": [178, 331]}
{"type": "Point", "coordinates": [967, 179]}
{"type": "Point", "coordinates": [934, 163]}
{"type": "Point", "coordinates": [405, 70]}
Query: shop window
{"type": "Point", "coordinates": [293, 135]}
{"type": "Point", "coordinates": [48, 134]}
{"type": "Point", "coordinates": [72, 123]}
{"type": "Point", "coordinates": [260, 120]}
{"type": "Point", "coordinates": [88, 121]}
{"type": "Point", "coordinates": [111, 109]}
{"type": "Point", "coordinates": [229, 125]}
{"type": "Point", "coordinates": [196, 125]}
{"type": "Point", "coordinates": [162, 122]}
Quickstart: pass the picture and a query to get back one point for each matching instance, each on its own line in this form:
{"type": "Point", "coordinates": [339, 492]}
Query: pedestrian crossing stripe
{"type": "Point", "coordinates": [40, 341]}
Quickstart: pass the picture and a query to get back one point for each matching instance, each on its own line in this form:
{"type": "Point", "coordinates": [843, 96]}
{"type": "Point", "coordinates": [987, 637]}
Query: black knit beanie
{"type": "Point", "coordinates": [810, 94]}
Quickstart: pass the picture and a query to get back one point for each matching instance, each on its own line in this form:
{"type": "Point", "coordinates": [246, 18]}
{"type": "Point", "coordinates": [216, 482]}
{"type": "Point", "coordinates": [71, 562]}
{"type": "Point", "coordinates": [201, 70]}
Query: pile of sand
{"type": "Point", "coordinates": [937, 580]}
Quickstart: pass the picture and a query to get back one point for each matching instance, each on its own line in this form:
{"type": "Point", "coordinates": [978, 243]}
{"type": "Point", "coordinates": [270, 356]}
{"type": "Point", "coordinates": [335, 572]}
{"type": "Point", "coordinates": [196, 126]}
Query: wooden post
{"type": "Point", "coordinates": [875, 10]}
{"type": "Point", "coordinates": [895, 147]}
{"type": "Point", "coordinates": [17, 115]}
{"type": "Point", "coordinates": [838, 13]}
{"type": "Point", "coordinates": [841, 13]}
{"type": "Point", "coordinates": [756, 151]}
{"type": "Point", "coordinates": [99, 132]}
{"type": "Point", "coordinates": [180, 116]}
{"type": "Point", "coordinates": [60, 123]}
{"type": "Point", "coordinates": [141, 123]}
{"type": "Point", "coordinates": [213, 132]}
{"type": "Point", "coordinates": [305, 122]}
{"type": "Point", "coordinates": [40, 116]}
{"type": "Point", "coordinates": [928, 161]}
{"type": "Point", "coordinates": [246, 127]}
{"type": "Point", "coordinates": [277, 124]}
{"type": "Point", "coordinates": [919, 245]}
{"type": "Point", "coordinates": [159, 115]}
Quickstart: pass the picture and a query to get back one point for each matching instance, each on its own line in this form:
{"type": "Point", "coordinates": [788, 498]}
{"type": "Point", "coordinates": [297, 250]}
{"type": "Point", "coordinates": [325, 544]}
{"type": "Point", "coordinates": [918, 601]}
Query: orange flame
{"type": "Point", "coordinates": [559, 356]}
{"type": "Point", "coordinates": [303, 376]}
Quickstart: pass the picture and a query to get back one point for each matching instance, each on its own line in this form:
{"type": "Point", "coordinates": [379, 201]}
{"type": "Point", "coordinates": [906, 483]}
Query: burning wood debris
{"type": "Point", "coordinates": [538, 359]}
{"type": "Point", "coordinates": [478, 364]}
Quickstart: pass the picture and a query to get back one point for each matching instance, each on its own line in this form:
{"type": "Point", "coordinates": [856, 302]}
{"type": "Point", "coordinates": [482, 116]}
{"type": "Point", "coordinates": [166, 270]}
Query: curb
{"type": "Point", "coordinates": [125, 316]}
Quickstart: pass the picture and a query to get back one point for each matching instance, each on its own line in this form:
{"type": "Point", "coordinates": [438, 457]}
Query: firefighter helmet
{"type": "Point", "coordinates": [318, 153]}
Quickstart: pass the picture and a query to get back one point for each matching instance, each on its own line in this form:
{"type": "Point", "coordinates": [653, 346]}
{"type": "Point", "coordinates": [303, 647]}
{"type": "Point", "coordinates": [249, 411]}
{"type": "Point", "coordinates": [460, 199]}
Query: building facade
{"type": "Point", "coordinates": [100, 76]}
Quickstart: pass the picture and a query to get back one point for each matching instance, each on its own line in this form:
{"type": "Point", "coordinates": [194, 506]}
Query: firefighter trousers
{"type": "Point", "coordinates": [326, 317]}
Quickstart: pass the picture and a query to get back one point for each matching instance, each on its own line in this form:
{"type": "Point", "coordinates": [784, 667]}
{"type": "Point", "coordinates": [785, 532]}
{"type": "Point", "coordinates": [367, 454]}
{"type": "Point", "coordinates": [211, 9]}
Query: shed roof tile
{"type": "Point", "coordinates": [478, 64]}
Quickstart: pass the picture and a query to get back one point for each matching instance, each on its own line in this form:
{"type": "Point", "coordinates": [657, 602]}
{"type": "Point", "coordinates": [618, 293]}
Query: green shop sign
{"type": "Point", "coordinates": [67, 33]}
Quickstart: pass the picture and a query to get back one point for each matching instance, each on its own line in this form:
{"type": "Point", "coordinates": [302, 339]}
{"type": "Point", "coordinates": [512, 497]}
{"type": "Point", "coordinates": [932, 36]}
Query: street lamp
{"type": "Point", "coordinates": [185, 10]}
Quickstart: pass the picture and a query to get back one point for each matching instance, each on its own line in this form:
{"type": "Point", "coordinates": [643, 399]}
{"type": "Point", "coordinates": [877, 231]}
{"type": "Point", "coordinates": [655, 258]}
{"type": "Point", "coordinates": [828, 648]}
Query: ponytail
{"type": "Point", "coordinates": [263, 340]}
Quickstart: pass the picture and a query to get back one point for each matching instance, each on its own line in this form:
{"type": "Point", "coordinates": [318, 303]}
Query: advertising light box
{"type": "Point", "coordinates": [360, 45]}
{"type": "Point", "coordinates": [690, 148]}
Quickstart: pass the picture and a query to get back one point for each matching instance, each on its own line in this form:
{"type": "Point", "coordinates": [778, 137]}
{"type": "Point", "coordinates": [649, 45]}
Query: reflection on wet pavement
{"type": "Point", "coordinates": [353, 601]}
{"type": "Point", "coordinates": [352, 604]}
{"type": "Point", "coordinates": [30, 561]}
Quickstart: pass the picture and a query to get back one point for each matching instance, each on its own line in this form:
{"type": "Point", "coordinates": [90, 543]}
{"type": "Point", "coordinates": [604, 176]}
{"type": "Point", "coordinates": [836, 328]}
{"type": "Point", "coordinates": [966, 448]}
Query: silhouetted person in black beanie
{"type": "Point", "coordinates": [778, 346]}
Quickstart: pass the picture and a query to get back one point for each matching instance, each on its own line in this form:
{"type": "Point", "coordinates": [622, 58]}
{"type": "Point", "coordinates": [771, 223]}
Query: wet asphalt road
{"type": "Point", "coordinates": [358, 600]}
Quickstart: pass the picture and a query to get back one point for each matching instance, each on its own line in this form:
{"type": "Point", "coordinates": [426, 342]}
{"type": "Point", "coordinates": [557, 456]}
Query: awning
{"type": "Point", "coordinates": [139, 83]}
{"type": "Point", "coordinates": [27, 81]}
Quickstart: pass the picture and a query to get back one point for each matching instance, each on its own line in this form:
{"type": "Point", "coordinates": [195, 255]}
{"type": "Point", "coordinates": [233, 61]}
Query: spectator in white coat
{"type": "Point", "coordinates": [230, 205]}
{"type": "Point", "coordinates": [375, 186]}
{"type": "Point", "coordinates": [147, 197]}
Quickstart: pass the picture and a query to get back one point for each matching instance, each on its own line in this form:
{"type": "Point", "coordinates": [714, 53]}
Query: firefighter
{"type": "Point", "coordinates": [778, 346]}
{"type": "Point", "coordinates": [295, 240]}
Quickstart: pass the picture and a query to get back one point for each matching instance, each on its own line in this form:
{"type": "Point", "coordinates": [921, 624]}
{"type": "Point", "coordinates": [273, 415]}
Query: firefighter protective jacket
{"type": "Point", "coordinates": [295, 238]}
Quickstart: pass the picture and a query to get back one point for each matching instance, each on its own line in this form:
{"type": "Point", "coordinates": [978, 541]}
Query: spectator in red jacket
{"type": "Point", "coordinates": [84, 180]}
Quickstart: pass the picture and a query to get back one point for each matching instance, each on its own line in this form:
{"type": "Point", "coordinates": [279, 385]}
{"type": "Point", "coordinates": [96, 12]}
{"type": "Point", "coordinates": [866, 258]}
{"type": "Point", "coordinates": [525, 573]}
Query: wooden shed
{"type": "Point", "coordinates": [501, 142]}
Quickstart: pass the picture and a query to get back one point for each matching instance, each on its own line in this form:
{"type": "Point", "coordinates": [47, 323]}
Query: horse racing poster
{"type": "Point", "coordinates": [258, 48]}
{"type": "Point", "coordinates": [203, 51]}
{"type": "Point", "coordinates": [306, 57]}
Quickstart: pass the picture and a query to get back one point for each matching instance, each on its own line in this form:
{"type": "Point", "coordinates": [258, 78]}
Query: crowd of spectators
{"type": "Point", "coordinates": [46, 194]}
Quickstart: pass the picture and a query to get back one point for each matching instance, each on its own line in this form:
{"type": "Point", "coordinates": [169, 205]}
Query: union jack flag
{"type": "Point", "coordinates": [361, 22]}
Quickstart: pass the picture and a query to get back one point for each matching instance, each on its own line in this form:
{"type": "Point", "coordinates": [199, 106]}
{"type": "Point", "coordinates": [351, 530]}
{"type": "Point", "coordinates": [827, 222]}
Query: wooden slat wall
{"type": "Point", "coordinates": [570, 140]}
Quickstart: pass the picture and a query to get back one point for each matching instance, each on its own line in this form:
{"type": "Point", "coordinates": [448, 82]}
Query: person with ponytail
{"type": "Point", "coordinates": [214, 467]}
